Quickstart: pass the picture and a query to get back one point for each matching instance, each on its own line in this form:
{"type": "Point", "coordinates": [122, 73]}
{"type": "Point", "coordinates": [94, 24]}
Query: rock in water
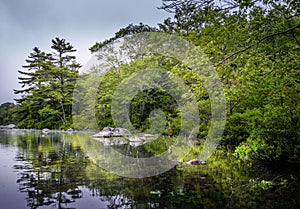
{"type": "Point", "coordinates": [45, 131]}
{"type": "Point", "coordinates": [136, 141]}
{"type": "Point", "coordinates": [11, 126]}
{"type": "Point", "coordinates": [112, 132]}
{"type": "Point", "coordinates": [196, 162]}
{"type": "Point", "coordinates": [121, 131]}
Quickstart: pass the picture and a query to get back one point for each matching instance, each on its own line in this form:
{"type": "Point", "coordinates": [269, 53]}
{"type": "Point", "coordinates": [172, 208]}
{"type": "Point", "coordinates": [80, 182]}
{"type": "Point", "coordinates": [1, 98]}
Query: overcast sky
{"type": "Point", "coordinates": [25, 24]}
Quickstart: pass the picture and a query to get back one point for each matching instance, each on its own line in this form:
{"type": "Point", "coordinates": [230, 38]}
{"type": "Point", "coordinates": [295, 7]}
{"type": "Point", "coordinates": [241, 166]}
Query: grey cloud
{"type": "Point", "coordinates": [28, 23]}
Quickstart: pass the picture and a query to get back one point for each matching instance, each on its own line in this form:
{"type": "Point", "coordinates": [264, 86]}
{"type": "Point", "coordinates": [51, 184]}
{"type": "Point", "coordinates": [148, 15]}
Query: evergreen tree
{"type": "Point", "coordinates": [33, 86]}
{"type": "Point", "coordinates": [47, 86]}
{"type": "Point", "coordinates": [63, 76]}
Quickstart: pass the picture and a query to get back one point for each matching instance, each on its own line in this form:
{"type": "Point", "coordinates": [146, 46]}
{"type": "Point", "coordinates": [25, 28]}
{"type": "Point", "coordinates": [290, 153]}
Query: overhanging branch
{"type": "Point", "coordinates": [258, 42]}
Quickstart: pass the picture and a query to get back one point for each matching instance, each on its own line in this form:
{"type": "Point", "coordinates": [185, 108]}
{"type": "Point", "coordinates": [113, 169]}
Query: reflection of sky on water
{"type": "Point", "coordinates": [10, 198]}
{"type": "Point", "coordinates": [90, 201]}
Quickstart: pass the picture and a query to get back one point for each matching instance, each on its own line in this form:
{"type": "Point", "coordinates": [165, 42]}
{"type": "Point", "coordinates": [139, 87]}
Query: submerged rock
{"type": "Point", "coordinates": [112, 141]}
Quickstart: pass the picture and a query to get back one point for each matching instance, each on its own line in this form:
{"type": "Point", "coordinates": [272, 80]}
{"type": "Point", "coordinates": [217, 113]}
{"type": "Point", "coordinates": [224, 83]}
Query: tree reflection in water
{"type": "Point", "coordinates": [55, 172]}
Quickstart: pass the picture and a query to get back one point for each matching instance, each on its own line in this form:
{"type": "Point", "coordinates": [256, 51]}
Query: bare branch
{"type": "Point", "coordinates": [258, 42]}
{"type": "Point", "coordinates": [172, 6]}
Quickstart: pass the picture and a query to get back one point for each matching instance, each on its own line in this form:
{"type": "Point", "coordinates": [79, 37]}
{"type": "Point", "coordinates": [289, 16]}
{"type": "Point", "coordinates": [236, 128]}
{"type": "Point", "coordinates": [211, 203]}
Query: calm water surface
{"type": "Point", "coordinates": [59, 171]}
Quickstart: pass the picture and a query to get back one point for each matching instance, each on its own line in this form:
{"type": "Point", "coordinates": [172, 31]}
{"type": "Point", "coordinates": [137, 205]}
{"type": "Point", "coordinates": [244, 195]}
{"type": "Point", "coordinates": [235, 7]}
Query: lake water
{"type": "Point", "coordinates": [60, 170]}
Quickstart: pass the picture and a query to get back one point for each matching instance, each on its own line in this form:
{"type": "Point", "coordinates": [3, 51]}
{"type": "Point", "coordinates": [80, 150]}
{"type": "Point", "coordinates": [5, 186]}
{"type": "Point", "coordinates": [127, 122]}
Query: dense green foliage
{"type": "Point", "coordinates": [254, 45]}
{"type": "Point", "coordinates": [7, 115]}
{"type": "Point", "coordinates": [47, 87]}
{"type": "Point", "coordinates": [143, 103]}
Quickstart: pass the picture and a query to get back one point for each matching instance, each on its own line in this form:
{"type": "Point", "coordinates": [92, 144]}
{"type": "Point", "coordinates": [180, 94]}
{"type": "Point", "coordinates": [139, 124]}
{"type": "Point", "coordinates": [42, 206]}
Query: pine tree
{"type": "Point", "coordinates": [64, 74]}
{"type": "Point", "coordinates": [47, 86]}
{"type": "Point", "coordinates": [32, 95]}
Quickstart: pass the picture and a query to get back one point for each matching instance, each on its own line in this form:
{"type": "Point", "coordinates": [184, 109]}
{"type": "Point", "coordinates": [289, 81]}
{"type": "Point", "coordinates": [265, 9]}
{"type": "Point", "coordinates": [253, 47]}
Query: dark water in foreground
{"type": "Point", "coordinates": [54, 171]}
